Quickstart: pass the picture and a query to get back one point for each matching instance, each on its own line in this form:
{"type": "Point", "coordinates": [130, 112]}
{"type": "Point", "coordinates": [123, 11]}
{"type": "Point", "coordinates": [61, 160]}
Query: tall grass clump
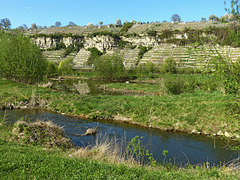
{"type": "Point", "coordinates": [21, 59]}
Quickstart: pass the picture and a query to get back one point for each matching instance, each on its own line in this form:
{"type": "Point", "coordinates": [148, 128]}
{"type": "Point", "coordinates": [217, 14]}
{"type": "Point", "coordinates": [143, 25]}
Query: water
{"type": "Point", "coordinates": [86, 86]}
{"type": "Point", "coordinates": [182, 148]}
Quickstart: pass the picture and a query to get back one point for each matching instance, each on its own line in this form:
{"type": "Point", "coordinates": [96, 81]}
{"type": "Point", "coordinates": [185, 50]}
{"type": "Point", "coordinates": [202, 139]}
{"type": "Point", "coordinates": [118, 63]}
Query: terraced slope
{"type": "Point", "coordinates": [188, 56]}
{"type": "Point", "coordinates": [80, 61]}
{"type": "Point", "coordinates": [130, 58]}
{"type": "Point", "coordinates": [54, 56]}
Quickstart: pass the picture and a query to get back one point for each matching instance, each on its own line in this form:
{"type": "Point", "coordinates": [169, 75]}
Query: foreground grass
{"type": "Point", "coordinates": [33, 162]}
{"type": "Point", "coordinates": [198, 112]}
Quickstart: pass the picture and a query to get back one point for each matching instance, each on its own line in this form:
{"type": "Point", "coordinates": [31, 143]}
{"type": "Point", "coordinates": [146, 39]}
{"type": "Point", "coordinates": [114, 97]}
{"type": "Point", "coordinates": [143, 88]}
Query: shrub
{"type": "Point", "coordinates": [94, 54]}
{"type": "Point", "coordinates": [65, 67]}
{"type": "Point", "coordinates": [152, 33]}
{"type": "Point", "coordinates": [51, 69]}
{"type": "Point", "coordinates": [177, 85]}
{"type": "Point", "coordinates": [21, 59]}
{"type": "Point", "coordinates": [169, 66]}
{"type": "Point", "coordinates": [125, 27]}
{"type": "Point", "coordinates": [110, 66]}
{"type": "Point", "coordinates": [143, 50]}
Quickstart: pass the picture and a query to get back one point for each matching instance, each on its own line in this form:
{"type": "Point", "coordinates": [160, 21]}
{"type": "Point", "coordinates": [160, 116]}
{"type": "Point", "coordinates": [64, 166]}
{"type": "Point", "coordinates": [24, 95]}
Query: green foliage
{"type": "Point", "coordinates": [169, 66]}
{"type": "Point", "coordinates": [94, 54]}
{"type": "Point", "coordinates": [65, 67]}
{"type": "Point", "coordinates": [152, 33]}
{"type": "Point", "coordinates": [143, 50]}
{"type": "Point", "coordinates": [51, 69]}
{"type": "Point", "coordinates": [125, 27]}
{"type": "Point", "coordinates": [20, 59]}
{"type": "Point", "coordinates": [177, 85]}
{"type": "Point", "coordinates": [136, 150]}
{"type": "Point", "coordinates": [110, 67]}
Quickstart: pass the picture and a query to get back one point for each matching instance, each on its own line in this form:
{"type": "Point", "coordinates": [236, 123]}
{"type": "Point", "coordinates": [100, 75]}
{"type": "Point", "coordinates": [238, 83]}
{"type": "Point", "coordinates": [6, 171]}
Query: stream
{"type": "Point", "coordinates": [182, 148]}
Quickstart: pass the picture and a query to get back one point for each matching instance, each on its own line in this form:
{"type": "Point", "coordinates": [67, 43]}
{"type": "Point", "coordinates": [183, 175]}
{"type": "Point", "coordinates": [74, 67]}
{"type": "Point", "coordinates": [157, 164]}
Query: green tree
{"type": "Point", "coordinates": [118, 22]}
{"type": "Point", "coordinates": [58, 24]}
{"type": "Point", "coordinates": [110, 66]}
{"type": "Point", "coordinates": [176, 18]}
{"type": "Point", "coordinates": [65, 67]}
{"type": "Point", "coordinates": [213, 18]}
{"type": "Point", "coordinates": [169, 65]}
{"type": "Point", "coordinates": [20, 59]}
{"type": "Point", "coordinates": [6, 23]}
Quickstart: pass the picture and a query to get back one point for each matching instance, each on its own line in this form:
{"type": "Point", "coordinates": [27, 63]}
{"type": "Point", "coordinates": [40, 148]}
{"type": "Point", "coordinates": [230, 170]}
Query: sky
{"type": "Point", "coordinates": [82, 12]}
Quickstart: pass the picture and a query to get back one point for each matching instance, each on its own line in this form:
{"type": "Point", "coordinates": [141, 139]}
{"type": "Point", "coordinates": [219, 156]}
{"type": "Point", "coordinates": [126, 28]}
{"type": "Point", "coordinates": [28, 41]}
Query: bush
{"type": "Point", "coordinates": [143, 50]}
{"type": "Point", "coordinates": [51, 69]}
{"type": "Point", "coordinates": [110, 66]}
{"type": "Point", "coordinates": [21, 59]}
{"type": "Point", "coordinates": [94, 54]}
{"type": "Point", "coordinates": [125, 27]}
{"type": "Point", "coordinates": [169, 66]}
{"type": "Point", "coordinates": [177, 85]}
{"type": "Point", "coordinates": [65, 67]}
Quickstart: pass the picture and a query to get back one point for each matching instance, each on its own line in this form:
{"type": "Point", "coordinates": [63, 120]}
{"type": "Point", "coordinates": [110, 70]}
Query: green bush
{"type": "Point", "coordinates": [94, 54]}
{"type": "Point", "coordinates": [65, 67]}
{"type": "Point", "coordinates": [169, 66]}
{"type": "Point", "coordinates": [51, 69]}
{"type": "Point", "coordinates": [177, 85]}
{"type": "Point", "coordinates": [143, 50]}
{"type": "Point", "coordinates": [125, 27]}
{"type": "Point", "coordinates": [21, 59]}
{"type": "Point", "coordinates": [110, 67]}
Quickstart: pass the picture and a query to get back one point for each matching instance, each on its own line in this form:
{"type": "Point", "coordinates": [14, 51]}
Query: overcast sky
{"type": "Point", "coordinates": [81, 12]}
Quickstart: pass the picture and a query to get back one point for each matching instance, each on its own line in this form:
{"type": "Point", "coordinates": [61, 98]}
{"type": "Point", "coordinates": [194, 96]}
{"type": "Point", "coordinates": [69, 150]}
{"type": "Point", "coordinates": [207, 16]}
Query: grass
{"type": "Point", "coordinates": [200, 112]}
{"type": "Point", "coordinates": [102, 161]}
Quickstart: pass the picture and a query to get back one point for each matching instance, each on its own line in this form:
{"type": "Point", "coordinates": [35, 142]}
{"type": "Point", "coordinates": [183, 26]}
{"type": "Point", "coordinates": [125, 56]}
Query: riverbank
{"type": "Point", "coordinates": [28, 152]}
{"type": "Point", "coordinates": [198, 112]}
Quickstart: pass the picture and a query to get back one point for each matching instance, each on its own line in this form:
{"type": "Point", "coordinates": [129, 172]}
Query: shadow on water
{"type": "Point", "coordinates": [182, 148]}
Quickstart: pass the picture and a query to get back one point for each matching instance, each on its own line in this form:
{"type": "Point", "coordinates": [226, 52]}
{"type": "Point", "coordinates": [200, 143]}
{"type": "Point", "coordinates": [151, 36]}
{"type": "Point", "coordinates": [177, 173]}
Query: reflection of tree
{"type": "Point", "coordinates": [82, 88]}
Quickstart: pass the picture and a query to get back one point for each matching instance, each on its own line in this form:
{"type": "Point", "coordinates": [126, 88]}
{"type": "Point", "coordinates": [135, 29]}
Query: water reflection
{"type": "Point", "coordinates": [182, 148]}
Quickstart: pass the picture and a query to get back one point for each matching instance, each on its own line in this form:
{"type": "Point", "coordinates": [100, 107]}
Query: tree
{"type": "Point", "coordinates": [33, 26]}
{"type": "Point", "coordinates": [58, 24]}
{"type": "Point", "coordinates": [233, 9]}
{"type": "Point", "coordinates": [101, 23]}
{"type": "Point", "coordinates": [21, 59]}
{"type": "Point", "coordinates": [203, 19]}
{"type": "Point", "coordinates": [90, 24]}
{"type": "Point", "coordinates": [176, 18]}
{"type": "Point", "coordinates": [25, 26]}
{"type": "Point", "coordinates": [6, 23]}
{"type": "Point", "coordinates": [110, 66]}
{"type": "Point", "coordinates": [213, 18]}
{"type": "Point", "coordinates": [71, 23]}
{"type": "Point", "coordinates": [119, 22]}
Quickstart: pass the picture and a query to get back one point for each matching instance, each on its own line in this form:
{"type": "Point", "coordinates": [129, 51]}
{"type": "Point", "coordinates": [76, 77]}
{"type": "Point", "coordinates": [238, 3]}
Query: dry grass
{"type": "Point", "coordinates": [46, 134]}
{"type": "Point", "coordinates": [106, 150]}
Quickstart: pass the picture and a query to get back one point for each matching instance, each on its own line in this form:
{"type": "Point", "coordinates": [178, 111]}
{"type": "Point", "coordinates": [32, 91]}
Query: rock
{"type": "Point", "coordinates": [220, 133]}
{"type": "Point", "coordinates": [227, 134]}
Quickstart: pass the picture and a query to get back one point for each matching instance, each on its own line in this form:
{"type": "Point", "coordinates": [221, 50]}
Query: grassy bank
{"type": "Point", "coordinates": [198, 112]}
{"type": "Point", "coordinates": [28, 160]}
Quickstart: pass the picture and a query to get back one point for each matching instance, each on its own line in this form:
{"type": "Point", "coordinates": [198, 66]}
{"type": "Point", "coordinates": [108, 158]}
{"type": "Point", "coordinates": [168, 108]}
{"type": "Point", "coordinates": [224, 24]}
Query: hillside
{"type": "Point", "coordinates": [187, 42]}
